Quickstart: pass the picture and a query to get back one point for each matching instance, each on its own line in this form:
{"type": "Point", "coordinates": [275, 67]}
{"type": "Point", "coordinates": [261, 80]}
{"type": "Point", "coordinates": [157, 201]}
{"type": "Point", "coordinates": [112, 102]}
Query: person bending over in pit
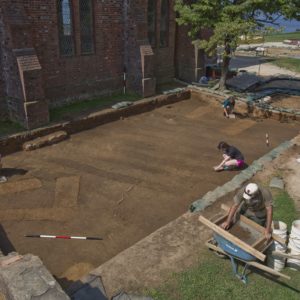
{"type": "Point", "coordinates": [228, 106]}
{"type": "Point", "coordinates": [232, 157]}
{"type": "Point", "coordinates": [255, 203]}
{"type": "Point", "coordinates": [2, 178]}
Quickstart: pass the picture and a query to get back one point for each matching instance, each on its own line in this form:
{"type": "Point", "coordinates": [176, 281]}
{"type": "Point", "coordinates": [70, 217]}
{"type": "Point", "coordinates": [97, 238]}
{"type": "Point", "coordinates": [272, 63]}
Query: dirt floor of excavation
{"type": "Point", "coordinates": [121, 181]}
{"type": "Point", "coordinates": [286, 101]}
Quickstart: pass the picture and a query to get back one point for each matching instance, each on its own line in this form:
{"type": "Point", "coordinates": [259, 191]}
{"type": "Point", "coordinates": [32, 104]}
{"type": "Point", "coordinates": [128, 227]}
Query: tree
{"type": "Point", "coordinates": [230, 19]}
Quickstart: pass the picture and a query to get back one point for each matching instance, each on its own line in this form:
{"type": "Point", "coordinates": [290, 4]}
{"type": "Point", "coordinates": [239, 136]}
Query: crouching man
{"type": "Point", "coordinates": [255, 203]}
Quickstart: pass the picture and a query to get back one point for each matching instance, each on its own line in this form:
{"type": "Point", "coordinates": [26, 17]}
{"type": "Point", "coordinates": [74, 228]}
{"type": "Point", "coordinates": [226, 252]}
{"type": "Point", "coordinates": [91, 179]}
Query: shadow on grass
{"type": "Point", "coordinates": [9, 127]}
{"type": "Point", "coordinates": [274, 279]}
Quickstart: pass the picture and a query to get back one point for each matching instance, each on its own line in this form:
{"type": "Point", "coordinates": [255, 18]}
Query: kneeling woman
{"type": "Point", "coordinates": [232, 157]}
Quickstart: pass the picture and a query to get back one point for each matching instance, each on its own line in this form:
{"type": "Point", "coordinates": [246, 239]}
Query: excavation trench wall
{"type": "Point", "coordinates": [14, 143]}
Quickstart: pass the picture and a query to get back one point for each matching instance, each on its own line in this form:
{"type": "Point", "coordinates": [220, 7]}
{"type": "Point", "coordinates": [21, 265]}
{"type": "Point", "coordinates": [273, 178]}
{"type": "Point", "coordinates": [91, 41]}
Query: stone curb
{"type": "Point", "coordinates": [236, 182]}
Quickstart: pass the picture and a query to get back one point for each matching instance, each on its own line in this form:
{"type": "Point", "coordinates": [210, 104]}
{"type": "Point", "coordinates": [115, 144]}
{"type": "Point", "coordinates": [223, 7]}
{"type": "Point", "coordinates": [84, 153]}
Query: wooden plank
{"type": "Point", "coordinates": [286, 255]}
{"type": "Point", "coordinates": [232, 238]}
{"type": "Point", "coordinates": [266, 246]}
{"type": "Point", "coordinates": [261, 239]}
{"type": "Point", "coordinates": [219, 220]}
{"type": "Point", "coordinates": [251, 263]}
{"type": "Point", "coordinates": [256, 226]}
{"type": "Point", "coordinates": [225, 207]}
{"type": "Point", "coordinates": [268, 269]}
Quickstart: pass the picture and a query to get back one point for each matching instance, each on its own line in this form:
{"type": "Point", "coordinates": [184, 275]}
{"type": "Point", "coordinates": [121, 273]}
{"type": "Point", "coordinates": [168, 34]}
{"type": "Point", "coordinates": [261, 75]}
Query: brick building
{"type": "Point", "coordinates": [61, 50]}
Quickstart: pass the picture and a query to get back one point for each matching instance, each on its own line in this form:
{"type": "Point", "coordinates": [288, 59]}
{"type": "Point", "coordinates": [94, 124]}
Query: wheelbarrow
{"type": "Point", "coordinates": [246, 245]}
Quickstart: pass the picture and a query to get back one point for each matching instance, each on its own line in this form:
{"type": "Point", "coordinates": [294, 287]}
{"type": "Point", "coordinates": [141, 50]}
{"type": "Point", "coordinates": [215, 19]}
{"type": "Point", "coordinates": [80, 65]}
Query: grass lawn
{"type": "Point", "coordinates": [71, 111]}
{"type": "Point", "coordinates": [292, 64]}
{"type": "Point", "coordinates": [213, 279]}
{"type": "Point", "coordinates": [8, 127]}
{"type": "Point", "coordinates": [76, 109]}
{"type": "Point", "coordinates": [280, 37]}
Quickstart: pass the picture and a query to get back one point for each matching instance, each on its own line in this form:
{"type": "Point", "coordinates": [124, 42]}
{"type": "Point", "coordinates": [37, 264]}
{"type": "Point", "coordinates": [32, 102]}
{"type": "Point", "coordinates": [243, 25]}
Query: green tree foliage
{"type": "Point", "coordinates": [230, 19]}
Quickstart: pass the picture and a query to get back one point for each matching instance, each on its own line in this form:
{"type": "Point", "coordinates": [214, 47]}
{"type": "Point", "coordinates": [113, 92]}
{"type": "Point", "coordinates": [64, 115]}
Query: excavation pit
{"type": "Point", "coordinates": [122, 181]}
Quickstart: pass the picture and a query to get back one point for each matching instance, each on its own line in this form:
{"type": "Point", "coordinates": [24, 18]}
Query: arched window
{"type": "Point", "coordinates": [164, 24]}
{"type": "Point", "coordinates": [86, 26]}
{"type": "Point", "coordinates": [65, 25]}
{"type": "Point", "coordinates": [152, 22]}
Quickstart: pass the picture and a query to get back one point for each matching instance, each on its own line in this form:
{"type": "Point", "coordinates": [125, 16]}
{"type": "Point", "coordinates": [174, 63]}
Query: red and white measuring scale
{"type": "Point", "coordinates": [65, 237]}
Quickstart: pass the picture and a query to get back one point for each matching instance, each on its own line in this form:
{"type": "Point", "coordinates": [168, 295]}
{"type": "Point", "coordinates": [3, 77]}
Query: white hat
{"type": "Point", "coordinates": [250, 191]}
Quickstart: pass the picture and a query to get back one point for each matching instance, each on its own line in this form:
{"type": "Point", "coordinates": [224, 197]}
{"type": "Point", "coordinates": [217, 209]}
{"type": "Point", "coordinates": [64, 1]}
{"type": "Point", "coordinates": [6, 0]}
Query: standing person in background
{"type": "Point", "coordinates": [2, 178]}
{"type": "Point", "coordinates": [228, 106]}
{"type": "Point", "coordinates": [232, 157]}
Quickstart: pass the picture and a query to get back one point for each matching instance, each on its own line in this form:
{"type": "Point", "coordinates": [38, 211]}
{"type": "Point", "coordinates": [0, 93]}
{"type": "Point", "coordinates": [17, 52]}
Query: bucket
{"type": "Point", "coordinates": [294, 245]}
{"type": "Point", "coordinates": [279, 228]}
{"type": "Point", "coordinates": [276, 263]}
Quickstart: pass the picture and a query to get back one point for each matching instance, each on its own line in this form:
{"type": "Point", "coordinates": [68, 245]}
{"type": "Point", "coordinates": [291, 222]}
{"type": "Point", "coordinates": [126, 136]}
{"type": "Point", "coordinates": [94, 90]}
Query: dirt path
{"type": "Point", "coordinates": [121, 181]}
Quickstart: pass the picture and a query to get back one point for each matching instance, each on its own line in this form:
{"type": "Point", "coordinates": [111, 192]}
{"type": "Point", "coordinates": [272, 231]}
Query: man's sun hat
{"type": "Point", "coordinates": [250, 191]}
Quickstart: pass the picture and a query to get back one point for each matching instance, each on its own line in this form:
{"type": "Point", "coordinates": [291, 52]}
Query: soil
{"type": "Point", "coordinates": [286, 101]}
{"type": "Point", "coordinates": [121, 181]}
{"type": "Point", "coordinates": [244, 233]}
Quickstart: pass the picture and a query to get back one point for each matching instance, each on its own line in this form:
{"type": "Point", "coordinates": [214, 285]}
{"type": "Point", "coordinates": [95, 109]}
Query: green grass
{"type": "Point", "coordinates": [76, 109]}
{"type": "Point", "coordinates": [292, 64]}
{"type": "Point", "coordinates": [280, 37]}
{"type": "Point", "coordinates": [8, 127]}
{"type": "Point", "coordinates": [284, 209]}
{"type": "Point", "coordinates": [212, 277]}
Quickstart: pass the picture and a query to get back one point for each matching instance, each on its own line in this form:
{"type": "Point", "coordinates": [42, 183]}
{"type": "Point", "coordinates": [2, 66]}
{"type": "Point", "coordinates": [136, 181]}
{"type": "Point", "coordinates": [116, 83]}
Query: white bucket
{"type": "Point", "coordinates": [279, 228]}
{"type": "Point", "coordinates": [277, 264]}
{"type": "Point", "coordinates": [294, 245]}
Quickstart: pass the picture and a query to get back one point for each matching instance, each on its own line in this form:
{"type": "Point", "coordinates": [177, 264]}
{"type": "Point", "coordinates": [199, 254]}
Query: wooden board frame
{"type": "Point", "coordinates": [256, 226]}
{"type": "Point", "coordinates": [230, 237]}
{"type": "Point", "coordinates": [251, 263]}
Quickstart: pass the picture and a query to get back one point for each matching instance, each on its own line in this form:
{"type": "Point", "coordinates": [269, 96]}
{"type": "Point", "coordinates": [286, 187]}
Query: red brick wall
{"type": "Point", "coordinates": [135, 35]}
{"type": "Point", "coordinates": [12, 90]}
{"type": "Point", "coordinates": [120, 28]}
{"type": "Point", "coordinates": [78, 75]}
{"type": "Point", "coordinates": [190, 63]}
{"type": "Point", "coordinates": [3, 104]}
{"type": "Point", "coordinates": [164, 56]}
